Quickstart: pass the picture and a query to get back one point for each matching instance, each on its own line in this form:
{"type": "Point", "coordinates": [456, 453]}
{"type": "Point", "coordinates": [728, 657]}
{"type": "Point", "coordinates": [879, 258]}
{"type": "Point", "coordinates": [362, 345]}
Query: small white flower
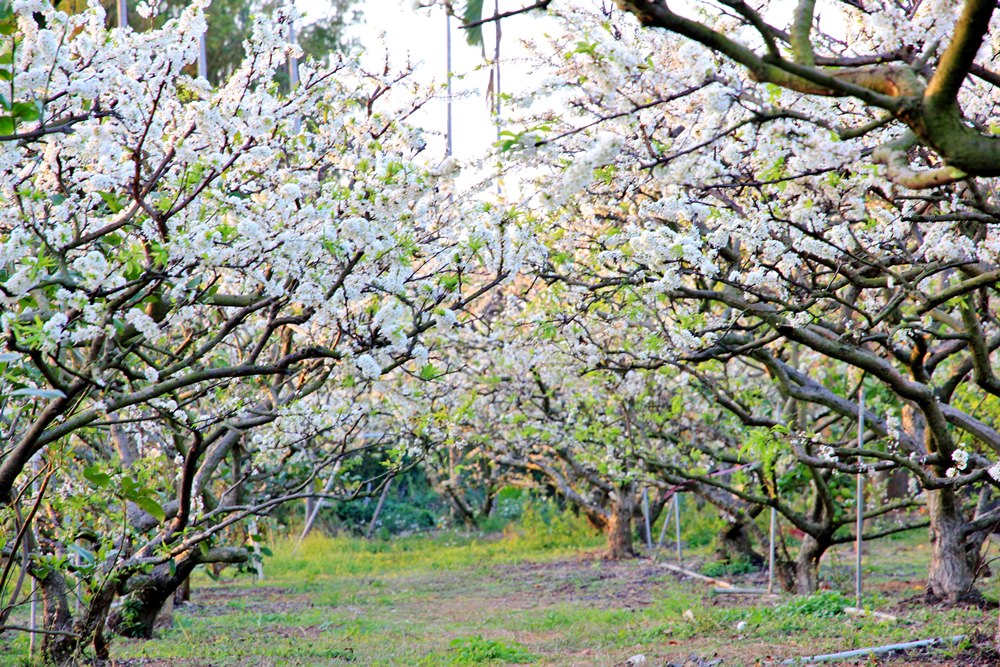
{"type": "Point", "coordinates": [447, 318]}
{"type": "Point", "coordinates": [143, 323]}
{"type": "Point", "coordinates": [961, 458]}
{"type": "Point", "coordinates": [147, 9]}
{"type": "Point", "coordinates": [369, 368]}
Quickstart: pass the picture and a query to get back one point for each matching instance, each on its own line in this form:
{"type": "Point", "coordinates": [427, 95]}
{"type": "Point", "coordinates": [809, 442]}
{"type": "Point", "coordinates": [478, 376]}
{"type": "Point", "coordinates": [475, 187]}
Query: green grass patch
{"type": "Point", "coordinates": [476, 650]}
{"type": "Point", "coordinates": [734, 568]}
{"type": "Point", "coordinates": [452, 599]}
{"type": "Point", "coordinates": [540, 533]}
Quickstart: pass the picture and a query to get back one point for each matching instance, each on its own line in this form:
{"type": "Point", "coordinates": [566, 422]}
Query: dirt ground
{"type": "Point", "coordinates": [514, 589]}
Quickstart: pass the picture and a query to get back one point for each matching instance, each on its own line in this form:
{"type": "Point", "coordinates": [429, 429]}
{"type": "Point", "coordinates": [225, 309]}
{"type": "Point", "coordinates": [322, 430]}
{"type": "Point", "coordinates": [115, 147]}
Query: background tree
{"type": "Point", "coordinates": [731, 198]}
{"type": "Point", "coordinates": [231, 24]}
{"type": "Point", "coordinates": [183, 271]}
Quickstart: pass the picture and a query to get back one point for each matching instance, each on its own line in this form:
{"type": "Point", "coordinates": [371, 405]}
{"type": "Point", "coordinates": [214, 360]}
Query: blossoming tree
{"type": "Point", "coordinates": [188, 274]}
{"type": "Point", "coordinates": [818, 193]}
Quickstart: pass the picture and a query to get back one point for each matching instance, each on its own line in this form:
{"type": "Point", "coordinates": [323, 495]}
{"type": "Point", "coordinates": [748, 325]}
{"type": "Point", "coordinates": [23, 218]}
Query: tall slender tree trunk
{"type": "Point", "coordinates": [951, 572]}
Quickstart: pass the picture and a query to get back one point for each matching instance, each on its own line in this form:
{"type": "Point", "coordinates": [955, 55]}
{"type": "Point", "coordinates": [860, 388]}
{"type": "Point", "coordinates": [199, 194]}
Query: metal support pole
{"type": "Point", "coordinates": [202, 58]}
{"type": "Point", "coordinates": [663, 529]}
{"type": "Point", "coordinates": [293, 74]}
{"type": "Point", "coordinates": [496, 65]}
{"type": "Point", "coordinates": [122, 13]}
{"type": "Point", "coordinates": [677, 525]}
{"type": "Point", "coordinates": [645, 516]}
{"type": "Point", "coordinates": [448, 122]}
{"type": "Point", "coordinates": [33, 618]}
{"type": "Point", "coordinates": [32, 624]}
{"type": "Point", "coordinates": [771, 551]}
{"type": "Point", "coordinates": [860, 499]}
{"type": "Point", "coordinates": [293, 63]}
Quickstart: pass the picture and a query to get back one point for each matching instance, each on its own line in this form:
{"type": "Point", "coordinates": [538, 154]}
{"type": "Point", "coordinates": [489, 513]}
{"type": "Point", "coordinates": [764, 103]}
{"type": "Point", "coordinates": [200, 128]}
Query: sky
{"type": "Point", "coordinates": [419, 36]}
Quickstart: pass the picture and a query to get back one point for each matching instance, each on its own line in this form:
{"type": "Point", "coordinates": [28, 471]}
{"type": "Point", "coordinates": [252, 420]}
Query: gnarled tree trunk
{"type": "Point", "coordinates": [65, 638]}
{"type": "Point", "coordinates": [618, 526]}
{"type": "Point", "coordinates": [733, 544]}
{"type": "Point", "coordinates": [137, 614]}
{"type": "Point", "coordinates": [57, 649]}
{"type": "Point", "coordinates": [951, 573]}
{"type": "Point", "coordinates": [807, 565]}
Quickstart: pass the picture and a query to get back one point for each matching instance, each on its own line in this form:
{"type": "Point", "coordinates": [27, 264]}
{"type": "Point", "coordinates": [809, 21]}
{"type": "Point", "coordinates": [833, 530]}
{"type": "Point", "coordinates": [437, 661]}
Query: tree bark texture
{"type": "Point", "coordinates": [619, 526]}
{"type": "Point", "coordinates": [951, 574]}
{"type": "Point", "coordinates": [733, 544]}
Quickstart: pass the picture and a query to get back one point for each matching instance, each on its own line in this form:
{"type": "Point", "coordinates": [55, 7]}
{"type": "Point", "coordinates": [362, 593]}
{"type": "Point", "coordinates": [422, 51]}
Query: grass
{"type": "Point", "coordinates": [459, 600]}
{"type": "Point", "coordinates": [525, 598]}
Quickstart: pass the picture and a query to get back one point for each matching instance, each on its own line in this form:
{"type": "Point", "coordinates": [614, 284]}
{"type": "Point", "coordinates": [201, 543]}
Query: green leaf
{"type": "Point", "coordinates": [472, 13]}
{"type": "Point", "coordinates": [130, 489]}
{"type": "Point", "coordinates": [86, 556]}
{"type": "Point", "coordinates": [94, 475]}
{"type": "Point", "coordinates": [151, 506]}
{"type": "Point", "coordinates": [428, 372]}
{"type": "Point", "coordinates": [112, 201]}
{"type": "Point", "coordinates": [38, 393]}
{"type": "Point", "coordinates": [6, 125]}
{"type": "Point", "coordinates": [26, 111]}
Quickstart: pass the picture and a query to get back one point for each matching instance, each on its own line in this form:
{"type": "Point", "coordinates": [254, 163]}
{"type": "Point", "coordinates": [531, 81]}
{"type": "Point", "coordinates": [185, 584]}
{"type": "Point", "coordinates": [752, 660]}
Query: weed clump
{"type": "Point", "coordinates": [477, 650]}
{"type": "Point", "coordinates": [729, 569]}
{"type": "Point", "coordinates": [824, 604]}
